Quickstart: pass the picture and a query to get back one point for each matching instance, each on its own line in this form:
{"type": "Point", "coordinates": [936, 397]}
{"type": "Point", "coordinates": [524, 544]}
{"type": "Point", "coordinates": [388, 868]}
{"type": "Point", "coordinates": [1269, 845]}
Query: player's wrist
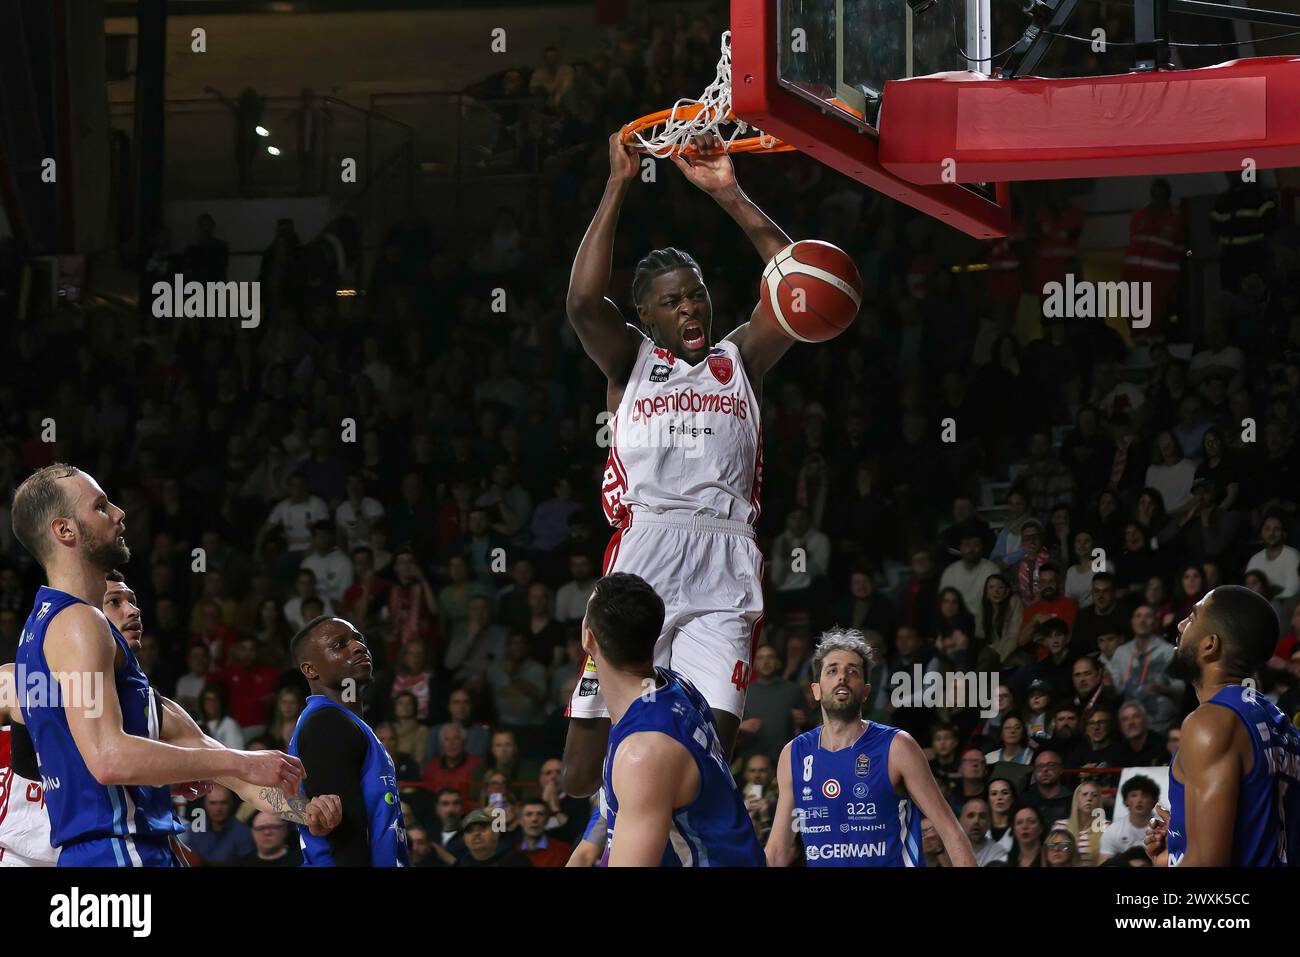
{"type": "Point", "coordinates": [730, 196]}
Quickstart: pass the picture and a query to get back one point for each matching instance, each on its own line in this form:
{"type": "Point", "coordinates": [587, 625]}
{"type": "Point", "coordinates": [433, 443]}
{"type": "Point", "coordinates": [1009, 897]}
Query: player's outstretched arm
{"type": "Point", "coordinates": [80, 648]}
{"type": "Point", "coordinates": [650, 771]}
{"type": "Point", "coordinates": [918, 781]}
{"type": "Point", "coordinates": [781, 848]}
{"type": "Point", "coordinates": [320, 814]}
{"type": "Point", "coordinates": [713, 172]}
{"type": "Point", "coordinates": [1211, 770]}
{"type": "Point", "coordinates": [610, 342]}
{"type": "Point", "coordinates": [761, 341]}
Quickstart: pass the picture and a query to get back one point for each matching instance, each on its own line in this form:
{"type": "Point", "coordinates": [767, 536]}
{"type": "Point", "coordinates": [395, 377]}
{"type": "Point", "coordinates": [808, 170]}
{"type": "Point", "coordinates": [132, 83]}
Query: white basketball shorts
{"type": "Point", "coordinates": [709, 573]}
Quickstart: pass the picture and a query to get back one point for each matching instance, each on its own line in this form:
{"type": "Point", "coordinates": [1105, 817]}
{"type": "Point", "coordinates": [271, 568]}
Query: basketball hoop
{"type": "Point", "coordinates": [670, 132]}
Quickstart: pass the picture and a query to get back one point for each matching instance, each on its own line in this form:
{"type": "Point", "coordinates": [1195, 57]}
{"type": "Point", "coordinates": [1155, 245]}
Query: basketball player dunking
{"type": "Point", "coordinates": [1234, 783]}
{"type": "Point", "coordinates": [104, 771]}
{"type": "Point", "coordinates": [682, 482]}
{"type": "Point", "coordinates": [851, 787]}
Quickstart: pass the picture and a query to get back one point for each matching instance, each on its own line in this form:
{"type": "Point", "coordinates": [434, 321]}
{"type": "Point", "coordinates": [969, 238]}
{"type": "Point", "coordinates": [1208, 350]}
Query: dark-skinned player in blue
{"type": "Point", "coordinates": [1234, 783]}
{"type": "Point", "coordinates": [341, 753]}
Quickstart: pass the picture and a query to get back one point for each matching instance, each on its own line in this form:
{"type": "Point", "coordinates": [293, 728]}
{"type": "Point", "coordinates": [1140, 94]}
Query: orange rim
{"type": "Point", "coordinates": [747, 144]}
{"type": "Point", "coordinates": [837, 102]}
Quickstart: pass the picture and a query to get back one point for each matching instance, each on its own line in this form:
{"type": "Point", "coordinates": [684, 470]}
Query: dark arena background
{"type": "Point", "coordinates": [1015, 491]}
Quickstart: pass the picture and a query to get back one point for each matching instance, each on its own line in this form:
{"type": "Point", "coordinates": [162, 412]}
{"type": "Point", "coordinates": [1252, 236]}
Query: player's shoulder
{"type": "Point", "coordinates": [897, 736]}
{"type": "Point", "coordinates": [325, 717]}
{"type": "Point", "coordinates": [81, 620]}
{"type": "Point", "coordinates": [902, 746]}
{"type": "Point", "coordinates": [1208, 727]}
{"type": "Point", "coordinates": [648, 749]}
{"type": "Point", "coordinates": [805, 739]}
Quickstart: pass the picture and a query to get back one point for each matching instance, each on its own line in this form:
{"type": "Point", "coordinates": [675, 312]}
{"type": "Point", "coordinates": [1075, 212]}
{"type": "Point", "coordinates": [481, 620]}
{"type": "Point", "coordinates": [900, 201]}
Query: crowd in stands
{"type": "Point", "coordinates": [1041, 501]}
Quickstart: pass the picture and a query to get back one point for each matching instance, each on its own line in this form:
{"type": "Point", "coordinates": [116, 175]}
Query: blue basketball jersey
{"type": "Point", "coordinates": [127, 822]}
{"type": "Point", "coordinates": [378, 788]}
{"type": "Point", "coordinates": [714, 830]}
{"type": "Point", "coordinates": [1266, 832]}
{"type": "Point", "coordinates": [846, 809]}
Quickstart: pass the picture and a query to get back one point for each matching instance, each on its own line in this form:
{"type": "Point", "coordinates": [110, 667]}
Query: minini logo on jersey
{"type": "Point", "coordinates": [83, 690]}
{"type": "Point", "coordinates": [179, 299]}
{"type": "Point", "coordinates": [954, 689]}
{"type": "Point", "coordinates": [78, 910]}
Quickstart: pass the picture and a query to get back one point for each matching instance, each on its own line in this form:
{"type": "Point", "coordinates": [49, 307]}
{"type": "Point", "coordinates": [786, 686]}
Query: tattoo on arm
{"type": "Point", "coordinates": [290, 809]}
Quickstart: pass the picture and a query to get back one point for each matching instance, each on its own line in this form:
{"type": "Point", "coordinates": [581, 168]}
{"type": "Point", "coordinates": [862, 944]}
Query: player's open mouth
{"type": "Point", "coordinates": [693, 335]}
{"type": "Point", "coordinates": [841, 692]}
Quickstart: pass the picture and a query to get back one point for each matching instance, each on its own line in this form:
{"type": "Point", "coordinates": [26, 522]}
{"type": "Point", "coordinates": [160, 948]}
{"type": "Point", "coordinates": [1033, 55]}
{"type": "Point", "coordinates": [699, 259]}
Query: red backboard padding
{"type": "Point", "coordinates": [758, 98]}
{"type": "Point", "coordinates": [1169, 121]}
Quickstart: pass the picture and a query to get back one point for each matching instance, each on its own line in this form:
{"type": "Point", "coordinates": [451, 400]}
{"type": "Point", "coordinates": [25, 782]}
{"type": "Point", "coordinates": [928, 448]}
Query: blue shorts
{"type": "Point", "coordinates": [119, 852]}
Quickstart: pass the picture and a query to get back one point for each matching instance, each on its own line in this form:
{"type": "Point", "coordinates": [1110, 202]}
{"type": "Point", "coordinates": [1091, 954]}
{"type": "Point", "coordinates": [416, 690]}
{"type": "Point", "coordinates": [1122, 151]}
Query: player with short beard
{"type": "Point", "coordinates": [104, 770]}
{"type": "Point", "coordinates": [319, 814]}
{"type": "Point", "coordinates": [851, 788]}
{"type": "Point", "coordinates": [1234, 783]}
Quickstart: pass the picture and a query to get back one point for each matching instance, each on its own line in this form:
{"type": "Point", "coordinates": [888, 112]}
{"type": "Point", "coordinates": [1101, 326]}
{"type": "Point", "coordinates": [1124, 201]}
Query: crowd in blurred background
{"type": "Point", "coordinates": [1043, 501]}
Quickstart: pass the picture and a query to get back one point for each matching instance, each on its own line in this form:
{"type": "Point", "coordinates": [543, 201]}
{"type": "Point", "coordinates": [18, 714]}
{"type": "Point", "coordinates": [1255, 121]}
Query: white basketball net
{"type": "Point", "coordinates": [674, 134]}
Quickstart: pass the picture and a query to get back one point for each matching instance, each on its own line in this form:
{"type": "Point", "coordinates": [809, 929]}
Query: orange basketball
{"type": "Point", "coordinates": [813, 290]}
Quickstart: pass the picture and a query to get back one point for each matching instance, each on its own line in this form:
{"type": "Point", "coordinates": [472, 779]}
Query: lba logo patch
{"type": "Point", "coordinates": [659, 373]}
{"type": "Point", "coordinates": [863, 766]}
{"type": "Point", "coordinates": [831, 788]}
{"type": "Point", "coordinates": [721, 368]}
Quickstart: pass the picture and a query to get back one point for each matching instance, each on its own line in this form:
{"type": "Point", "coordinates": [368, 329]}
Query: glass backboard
{"type": "Point", "coordinates": [838, 54]}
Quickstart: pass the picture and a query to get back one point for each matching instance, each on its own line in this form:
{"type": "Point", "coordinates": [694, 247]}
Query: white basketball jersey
{"type": "Point", "coordinates": [24, 823]}
{"type": "Point", "coordinates": [685, 439]}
